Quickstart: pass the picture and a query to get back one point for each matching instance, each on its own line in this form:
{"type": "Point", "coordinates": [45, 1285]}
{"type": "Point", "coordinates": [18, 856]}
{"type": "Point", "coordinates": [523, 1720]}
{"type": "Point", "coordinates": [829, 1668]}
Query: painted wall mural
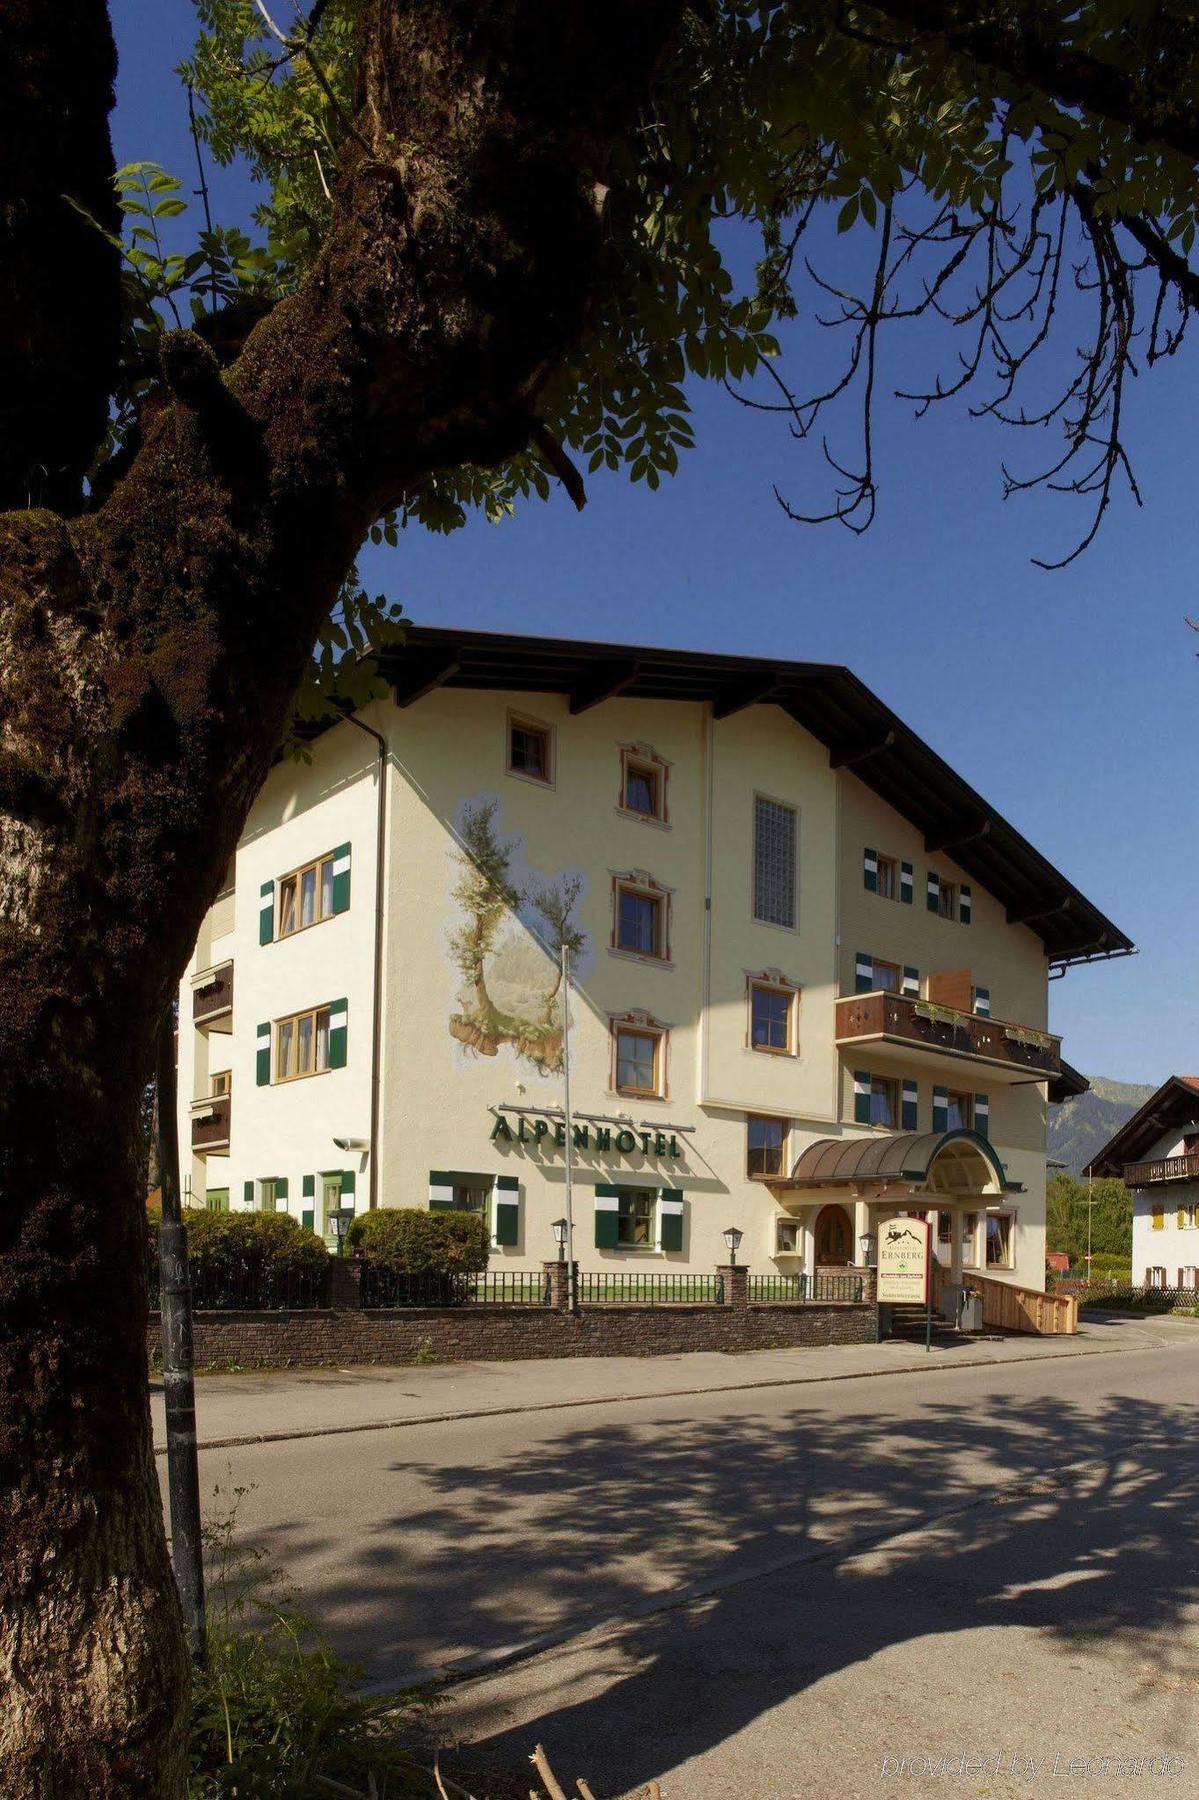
{"type": "Point", "coordinates": [507, 945]}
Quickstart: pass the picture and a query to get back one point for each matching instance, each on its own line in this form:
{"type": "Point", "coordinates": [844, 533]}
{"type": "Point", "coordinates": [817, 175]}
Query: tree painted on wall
{"type": "Point", "coordinates": [530, 1017]}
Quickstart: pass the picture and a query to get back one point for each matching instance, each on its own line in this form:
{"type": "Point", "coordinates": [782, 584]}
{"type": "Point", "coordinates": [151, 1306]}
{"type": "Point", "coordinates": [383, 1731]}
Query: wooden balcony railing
{"type": "Point", "coordinates": [1161, 1168]}
{"type": "Point", "coordinates": [210, 1123]}
{"type": "Point", "coordinates": [926, 1026]}
{"type": "Point", "coordinates": [212, 997]}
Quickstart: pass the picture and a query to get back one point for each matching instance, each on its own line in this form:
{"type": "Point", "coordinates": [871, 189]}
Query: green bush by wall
{"type": "Point", "coordinates": [411, 1241]}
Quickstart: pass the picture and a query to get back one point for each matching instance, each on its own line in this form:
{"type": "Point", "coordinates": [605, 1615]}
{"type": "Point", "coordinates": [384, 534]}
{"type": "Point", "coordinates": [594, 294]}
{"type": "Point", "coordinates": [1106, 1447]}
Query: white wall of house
{"type": "Point", "coordinates": [440, 1095]}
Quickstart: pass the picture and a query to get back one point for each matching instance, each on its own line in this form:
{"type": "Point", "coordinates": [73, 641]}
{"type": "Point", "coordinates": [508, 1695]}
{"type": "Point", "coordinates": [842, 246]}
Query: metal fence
{"type": "Point", "coordinates": [823, 1285]}
{"type": "Point", "coordinates": [598, 1288]}
{"type": "Point", "coordinates": [1121, 1295]}
{"type": "Point", "coordinates": [267, 1289]}
{"type": "Point", "coordinates": [383, 1287]}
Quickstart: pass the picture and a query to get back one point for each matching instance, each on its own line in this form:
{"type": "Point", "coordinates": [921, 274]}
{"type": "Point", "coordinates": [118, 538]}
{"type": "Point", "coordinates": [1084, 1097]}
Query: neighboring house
{"type": "Point", "coordinates": [809, 969]}
{"type": "Point", "coordinates": [1058, 1261]}
{"type": "Point", "coordinates": [1157, 1154]}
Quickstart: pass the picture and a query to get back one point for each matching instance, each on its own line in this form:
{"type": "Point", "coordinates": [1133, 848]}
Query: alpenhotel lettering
{"type": "Point", "coordinates": [601, 1138]}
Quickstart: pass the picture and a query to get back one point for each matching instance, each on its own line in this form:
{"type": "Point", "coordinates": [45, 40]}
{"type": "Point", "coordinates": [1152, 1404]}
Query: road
{"type": "Point", "coordinates": [778, 1591]}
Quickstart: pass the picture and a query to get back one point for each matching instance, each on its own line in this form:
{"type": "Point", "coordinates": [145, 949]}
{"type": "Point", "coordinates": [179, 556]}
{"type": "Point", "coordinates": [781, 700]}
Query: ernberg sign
{"type": "Point", "coordinates": [903, 1260]}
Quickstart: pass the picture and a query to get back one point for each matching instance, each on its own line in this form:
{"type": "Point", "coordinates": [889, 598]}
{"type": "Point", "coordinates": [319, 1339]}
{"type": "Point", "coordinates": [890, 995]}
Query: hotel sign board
{"type": "Point", "coordinates": [903, 1261]}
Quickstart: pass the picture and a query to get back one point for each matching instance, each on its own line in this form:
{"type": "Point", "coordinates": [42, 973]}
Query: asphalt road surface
{"type": "Point", "coordinates": [980, 1582]}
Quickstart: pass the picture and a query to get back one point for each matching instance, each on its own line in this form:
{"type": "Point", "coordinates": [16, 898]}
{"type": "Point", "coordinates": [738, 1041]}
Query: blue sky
{"type": "Point", "coordinates": [1069, 699]}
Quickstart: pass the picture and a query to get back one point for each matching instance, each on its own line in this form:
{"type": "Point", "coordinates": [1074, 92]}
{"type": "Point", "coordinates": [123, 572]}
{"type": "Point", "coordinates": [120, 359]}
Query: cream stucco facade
{"type": "Point", "coordinates": [728, 817]}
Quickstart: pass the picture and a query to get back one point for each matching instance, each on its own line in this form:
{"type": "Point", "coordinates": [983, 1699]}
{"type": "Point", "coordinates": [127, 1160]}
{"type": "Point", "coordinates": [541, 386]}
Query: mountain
{"type": "Point", "coordinates": [1081, 1127]}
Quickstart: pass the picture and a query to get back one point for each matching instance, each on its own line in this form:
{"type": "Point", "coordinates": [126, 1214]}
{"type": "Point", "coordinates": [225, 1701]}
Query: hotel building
{"type": "Point", "coordinates": [809, 969]}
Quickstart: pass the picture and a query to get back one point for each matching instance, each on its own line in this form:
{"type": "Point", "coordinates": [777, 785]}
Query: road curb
{"type": "Point", "coordinates": [731, 1387]}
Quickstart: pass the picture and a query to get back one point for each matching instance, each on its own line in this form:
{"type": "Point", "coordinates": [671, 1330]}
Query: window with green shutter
{"type": "Point", "coordinates": [341, 878]}
{"type": "Point", "coordinates": [266, 913]}
{"type": "Point", "coordinates": [607, 1217]}
{"type": "Point", "coordinates": [870, 871]}
{"type": "Point", "coordinates": [217, 1199]}
{"type": "Point", "coordinates": [982, 1115]}
{"type": "Point", "coordinates": [670, 1219]}
{"type": "Point", "coordinates": [505, 1224]}
{"type": "Point", "coordinates": [262, 1060]}
{"type": "Point", "coordinates": [934, 892]}
{"type": "Point", "coordinates": [964, 907]}
{"type": "Point", "coordinates": [247, 1193]}
{"type": "Point", "coordinates": [910, 1107]}
{"type": "Point", "coordinates": [338, 1028]}
{"type": "Point", "coordinates": [907, 882]}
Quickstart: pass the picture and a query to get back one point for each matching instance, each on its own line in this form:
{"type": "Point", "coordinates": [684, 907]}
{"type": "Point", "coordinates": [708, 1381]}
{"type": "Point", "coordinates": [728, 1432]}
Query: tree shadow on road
{"type": "Point", "coordinates": [1074, 1520]}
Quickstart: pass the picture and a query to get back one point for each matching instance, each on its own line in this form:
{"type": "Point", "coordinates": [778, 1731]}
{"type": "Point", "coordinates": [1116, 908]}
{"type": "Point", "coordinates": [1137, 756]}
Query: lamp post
{"type": "Point", "coordinates": [732, 1238]}
{"type": "Point", "coordinates": [560, 1229]}
{"type": "Point", "coordinates": [572, 1271]}
{"type": "Point", "coordinates": [339, 1224]}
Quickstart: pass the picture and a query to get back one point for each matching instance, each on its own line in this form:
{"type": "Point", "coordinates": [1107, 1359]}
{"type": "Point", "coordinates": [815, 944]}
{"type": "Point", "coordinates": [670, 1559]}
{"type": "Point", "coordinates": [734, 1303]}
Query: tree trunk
{"type": "Point", "coordinates": [149, 650]}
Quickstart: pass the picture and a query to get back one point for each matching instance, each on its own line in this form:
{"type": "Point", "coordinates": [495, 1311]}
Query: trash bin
{"type": "Point", "coordinates": [972, 1312]}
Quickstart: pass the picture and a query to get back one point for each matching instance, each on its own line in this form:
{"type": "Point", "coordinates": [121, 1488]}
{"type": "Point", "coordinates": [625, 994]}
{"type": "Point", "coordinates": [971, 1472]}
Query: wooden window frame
{"type": "Point", "coordinates": [793, 809]}
{"type": "Point", "coordinates": [293, 1019]}
{"type": "Point", "coordinates": [794, 1228]}
{"type": "Point", "coordinates": [315, 863]}
{"type": "Point", "coordinates": [890, 863]}
{"type": "Point", "coordinates": [270, 1182]}
{"type": "Point", "coordinates": [752, 1119]}
{"type": "Point", "coordinates": [1010, 1264]}
{"type": "Point", "coordinates": [948, 898]}
{"type": "Point", "coordinates": [640, 757]}
{"type": "Point", "coordinates": [523, 722]}
{"type": "Point", "coordinates": [641, 884]}
{"type": "Point", "coordinates": [769, 981]}
{"type": "Point", "coordinates": [638, 1024]}
{"type": "Point", "coordinates": [626, 1193]}
{"type": "Point", "coordinates": [968, 1110]}
{"type": "Point", "coordinates": [877, 963]}
{"type": "Point", "coordinates": [894, 1084]}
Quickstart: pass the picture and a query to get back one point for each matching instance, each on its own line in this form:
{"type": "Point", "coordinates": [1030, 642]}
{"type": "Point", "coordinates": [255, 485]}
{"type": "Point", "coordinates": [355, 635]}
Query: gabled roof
{"type": "Point", "coordinates": [887, 1156]}
{"type": "Point", "coordinates": [1175, 1103]}
{"type": "Point", "coordinates": [858, 730]}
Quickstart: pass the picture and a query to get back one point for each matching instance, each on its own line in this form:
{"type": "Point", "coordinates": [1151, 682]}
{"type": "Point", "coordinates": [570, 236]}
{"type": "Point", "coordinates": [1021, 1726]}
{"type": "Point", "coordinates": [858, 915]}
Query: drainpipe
{"type": "Point", "coordinates": [377, 993]}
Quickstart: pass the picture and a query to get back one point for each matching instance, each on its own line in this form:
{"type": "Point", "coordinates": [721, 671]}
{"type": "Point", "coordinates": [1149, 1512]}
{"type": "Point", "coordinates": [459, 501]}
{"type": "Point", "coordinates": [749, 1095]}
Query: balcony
{"type": "Point", "coordinates": [1161, 1168]}
{"type": "Point", "coordinates": [948, 1034]}
{"type": "Point", "coordinates": [210, 1125]}
{"type": "Point", "coordinates": [212, 999]}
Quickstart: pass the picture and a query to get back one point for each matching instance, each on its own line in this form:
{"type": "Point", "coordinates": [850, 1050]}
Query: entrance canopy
{"type": "Point", "coordinates": [937, 1162]}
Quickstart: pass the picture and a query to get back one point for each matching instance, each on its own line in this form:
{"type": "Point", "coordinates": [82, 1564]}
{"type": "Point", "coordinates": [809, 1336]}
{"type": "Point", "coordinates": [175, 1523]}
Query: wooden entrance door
{"type": "Point", "coordinates": [834, 1237]}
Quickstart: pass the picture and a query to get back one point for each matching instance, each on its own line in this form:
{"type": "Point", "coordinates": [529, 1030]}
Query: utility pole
{"type": "Point", "coordinates": [178, 1361]}
{"type": "Point", "coordinates": [572, 1267]}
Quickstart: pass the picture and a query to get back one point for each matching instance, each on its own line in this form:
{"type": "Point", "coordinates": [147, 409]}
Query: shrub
{"type": "Point", "coordinates": [410, 1241]}
{"type": "Point", "coordinates": [246, 1244]}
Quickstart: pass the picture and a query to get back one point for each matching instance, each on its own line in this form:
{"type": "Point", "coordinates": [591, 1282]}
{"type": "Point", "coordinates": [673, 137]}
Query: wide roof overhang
{"type": "Point", "coordinates": [1175, 1103]}
{"type": "Point", "coordinates": [890, 1158]}
{"type": "Point", "coordinates": [858, 730]}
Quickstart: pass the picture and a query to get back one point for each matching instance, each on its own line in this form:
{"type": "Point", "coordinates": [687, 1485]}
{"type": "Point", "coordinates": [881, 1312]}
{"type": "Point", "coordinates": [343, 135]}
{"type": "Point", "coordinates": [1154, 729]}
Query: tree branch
{"type": "Point", "coordinates": [1024, 41]}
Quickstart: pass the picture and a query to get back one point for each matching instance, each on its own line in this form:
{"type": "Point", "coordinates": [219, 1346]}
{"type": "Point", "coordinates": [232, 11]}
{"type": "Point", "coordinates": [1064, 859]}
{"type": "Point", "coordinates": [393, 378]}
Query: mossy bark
{"type": "Point", "coordinates": [149, 649]}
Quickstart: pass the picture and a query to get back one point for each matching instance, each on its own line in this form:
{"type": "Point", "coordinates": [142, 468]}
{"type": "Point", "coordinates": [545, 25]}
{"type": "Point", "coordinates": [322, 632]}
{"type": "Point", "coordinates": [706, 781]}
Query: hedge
{"type": "Point", "coordinates": [246, 1244]}
{"type": "Point", "coordinates": [411, 1241]}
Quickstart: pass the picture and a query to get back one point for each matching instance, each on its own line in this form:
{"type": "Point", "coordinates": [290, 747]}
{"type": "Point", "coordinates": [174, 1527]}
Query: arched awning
{"type": "Point", "coordinates": [940, 1161]}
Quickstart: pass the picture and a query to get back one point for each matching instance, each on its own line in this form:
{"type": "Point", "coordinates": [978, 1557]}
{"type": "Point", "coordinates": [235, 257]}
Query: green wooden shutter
{"type": "Point", "coordinates": [870, 870]}
{"type": "Point", "coordinates": [670, 1219]}
{"type": "Point", "coordinates": [607, 1216]}
{"type": "Point", "coordinates": [306, 1218]}
{"type": "Point", "coordinates": [861, 1097]}
{"type": "Point", "coordinates": [907, 882]}
{"type": "Point", "coordinates": [266, 912]}
{"type": "Point", "coordinates": [940, 1109]}
{"type": "Point", "coordinates": [441, 1191]}
{"type": "Point", "coordinates": [506, 1208]}
{"type": "Point", "coordinates": [863, 972]}
{"type": "Point", "coordinates": [338, 1025]}
{"type": "Point", "coordinates": [982, 1002]}
{"type": "Point", "coordinates": [308, 1187]}
{"type": "Point", "coordinates": [347, 1187]}
{"type": "Point", "coordinates": [982, 1115]}
{"type": "Point", "coordinates": [263, 1061]}
{"type": "Point", "coordinates": [341, 878]}
{"type": "Point", "coordinates": [247, 1193]}
{"type": "Point", "coordinates": [910, 1107]}
{"type": "Point", "coordinates": [280, 1188]}
{"type": "Point", "coordinates": [964, 904]}
{"type": "Point", "coordinates": [934, 892]}
{"type": "Point", "coordinates": [911, 984]}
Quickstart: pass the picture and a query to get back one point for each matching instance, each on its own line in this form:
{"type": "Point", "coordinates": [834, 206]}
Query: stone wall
{"type": "Point", "coordinates": [508, 1334]}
